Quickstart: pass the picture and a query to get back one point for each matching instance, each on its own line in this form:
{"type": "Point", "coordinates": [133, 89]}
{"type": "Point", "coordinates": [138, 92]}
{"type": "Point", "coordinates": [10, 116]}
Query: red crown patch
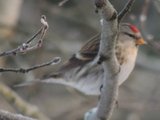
{"type": "Point", "coordinates": [134, 28]}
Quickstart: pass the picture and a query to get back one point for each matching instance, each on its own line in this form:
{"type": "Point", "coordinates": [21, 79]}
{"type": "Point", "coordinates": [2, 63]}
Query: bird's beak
{"type": "Point", "coordinates": [140, 41]}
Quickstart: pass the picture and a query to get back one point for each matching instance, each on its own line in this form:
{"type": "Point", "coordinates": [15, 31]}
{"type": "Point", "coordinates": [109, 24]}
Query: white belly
{"type": "Point", "coordinates": [90, 83]}
{"type": "Point", "coordinates": [126, 69]}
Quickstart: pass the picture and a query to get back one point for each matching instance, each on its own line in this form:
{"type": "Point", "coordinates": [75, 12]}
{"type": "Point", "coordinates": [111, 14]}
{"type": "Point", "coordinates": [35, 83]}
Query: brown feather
{"type": "Point", "coordinates": [90, 49]}
{"type": "Point", "coordinates": [72, 63]}
{"type": "Point", "coordinates": [88, 52]}
{"type": "Point", "coordinates": [91, 46]}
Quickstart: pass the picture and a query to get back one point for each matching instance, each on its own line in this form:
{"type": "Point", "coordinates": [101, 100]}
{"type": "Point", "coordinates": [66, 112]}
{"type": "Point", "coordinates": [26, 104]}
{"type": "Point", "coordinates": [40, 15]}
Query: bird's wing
{"type": "Point", "coordinates": [86, 54]}
{"type": "Point", "coordinates": [90, 82]}
{"type": "Point", "coordinates": [91, 47]}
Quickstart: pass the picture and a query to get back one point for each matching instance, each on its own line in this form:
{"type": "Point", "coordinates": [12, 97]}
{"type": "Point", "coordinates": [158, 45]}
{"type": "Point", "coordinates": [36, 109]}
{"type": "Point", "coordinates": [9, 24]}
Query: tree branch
{"type": "Point", "coordinates": [20, 104]}
{"type": "Point", "coordinates": [155, 45]}
{"type": "Point", "coordinates": [25, 47]}
{"type": "Point", "coordinates": [54, 61]}
{"type": "Point", "coordinates": [109, 25]}
{"type": "Point", "coordinates": [125, 10]}
{"type": "Point", "coordinates": [62, 2]}
{"type": "Point", "coordinates": [4, 115]}
{"type": "Point", "coordinates": [109, 29]}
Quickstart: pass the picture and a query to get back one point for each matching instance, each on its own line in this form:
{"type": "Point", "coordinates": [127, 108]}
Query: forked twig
{"type": "Point", "coordinates": [54, 61]}
{"type": "Point", "coordinates": [125, 10]}
{"type": "Point", "coordinates": [25, 47]}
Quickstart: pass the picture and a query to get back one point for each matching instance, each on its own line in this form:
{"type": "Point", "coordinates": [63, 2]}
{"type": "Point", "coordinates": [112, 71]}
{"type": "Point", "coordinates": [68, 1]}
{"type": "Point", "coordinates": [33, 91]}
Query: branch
{"type": "Point", "coordinates": [125, 10]}
{"type": "Point", "coordinates": [54, 61]}
{"type": "Point", "coordinates": [109, 25]}
{"type": "Point", "coordinates": [157, 5]}
{"type": "Point", "coordinates": [109, 92]}
{"type": "Point", "coordinates": [25, 47]}
{"type": "Point", "coordinates": [20, 104]}
{"type": "Point", "coordinates": [155, 45]}
{"type": "Point", "coordinates": [4, 115]}
{"type": "Point", "coordinates": [62, 2]}
{"type": "Point", "coordinates": [121, 15]}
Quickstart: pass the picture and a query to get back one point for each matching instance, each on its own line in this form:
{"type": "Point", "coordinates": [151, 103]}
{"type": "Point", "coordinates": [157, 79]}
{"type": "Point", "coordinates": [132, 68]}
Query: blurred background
{"type": "Point", "coordinates": [70, 25]}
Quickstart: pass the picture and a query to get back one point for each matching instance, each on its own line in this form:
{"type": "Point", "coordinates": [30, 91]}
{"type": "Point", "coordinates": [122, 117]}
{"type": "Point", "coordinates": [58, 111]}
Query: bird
{"type": "Point", "coordinates": [89, 82]}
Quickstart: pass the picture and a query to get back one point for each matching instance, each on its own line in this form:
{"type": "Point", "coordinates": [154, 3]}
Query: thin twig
{"type": "Point", "coordinates": [157, 4]}
{"type": "Point", "coordinates": [20, 104]}
{"type": "Point", "coordinates": [5, 115]}
{"type": "Point", "coordinates": [142, 20]}
{"type": "Point", "coordinates": [62, 2]}
{"type": "Point", "coordinates": [143, 15]}
{"type": "Point", "coordinates": [154, 45]}
{"type": "Point", "coordinates": [56, 60]}
{"type": "Point", "coordinates": [25, 47]}
{"type": "Point", "coordinates": [125, 10]}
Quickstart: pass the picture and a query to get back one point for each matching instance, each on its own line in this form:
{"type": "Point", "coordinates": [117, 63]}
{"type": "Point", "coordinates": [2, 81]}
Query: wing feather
{"type": "Point", "coordinates": [86, 54]}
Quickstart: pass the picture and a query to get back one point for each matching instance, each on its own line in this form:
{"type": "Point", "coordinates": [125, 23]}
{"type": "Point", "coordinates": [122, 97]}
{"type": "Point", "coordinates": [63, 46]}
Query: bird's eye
{"type": "Point", "coordinates": [131, 35]}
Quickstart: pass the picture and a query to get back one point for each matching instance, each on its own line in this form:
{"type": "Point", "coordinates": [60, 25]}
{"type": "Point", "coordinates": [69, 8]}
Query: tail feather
{"type": "Point", "coordinates": [42, 80]}
{"type": "Point", "coordinates": [89, 85]}
{"type": "Point", "coordinates": [28, 83]}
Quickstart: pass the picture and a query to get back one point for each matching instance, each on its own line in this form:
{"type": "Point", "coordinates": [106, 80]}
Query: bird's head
{"type": "Point", "coordinates": [134, 32]}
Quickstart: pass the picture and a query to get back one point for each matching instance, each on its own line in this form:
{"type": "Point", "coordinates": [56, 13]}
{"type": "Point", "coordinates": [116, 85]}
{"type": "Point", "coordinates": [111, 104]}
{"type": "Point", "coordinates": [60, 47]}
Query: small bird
{"type": "Point", "coordinates": [90, 82]}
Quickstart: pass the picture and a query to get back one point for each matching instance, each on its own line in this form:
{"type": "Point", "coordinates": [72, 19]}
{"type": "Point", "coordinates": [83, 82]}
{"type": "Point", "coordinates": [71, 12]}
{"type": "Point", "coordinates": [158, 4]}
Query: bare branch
{"type": "Point", "coordinates": [157, 4]}
{"type": "Point", "coordinates": [4, 115]}
{"type": "Point", "coordinates": [62, 2]}
{"type": "Point", "coordinates": [143, 15]}
{"type": "Point", "coordinates": [21, 105]}
{"type": "Point", "coordinates": [111, 66]}
{"type": "Point", "coordinates": [154, 45]}
{"type": "Point", "coordinates": [109, 92]}
{"type": "Point", "coordinates": [25, 47]}
{"type": "Point", "coordinates": [149, 38]}
{"type": "Point", "coordinates": [54, 61]}
{"type": "Point", "coordinates": [125, 10]}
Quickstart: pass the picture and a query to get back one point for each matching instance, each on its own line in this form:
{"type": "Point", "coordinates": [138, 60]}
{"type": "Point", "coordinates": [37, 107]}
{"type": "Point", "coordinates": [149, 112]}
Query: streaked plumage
{"type": "Point", "coordinates": [129, 38]}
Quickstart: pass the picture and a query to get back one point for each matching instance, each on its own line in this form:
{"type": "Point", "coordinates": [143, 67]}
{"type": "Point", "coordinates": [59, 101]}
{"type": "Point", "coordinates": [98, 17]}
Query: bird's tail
{"type": "Point", "coordinates": [44, 79]}
{"type": "Point", "coordinates": [88, 85]}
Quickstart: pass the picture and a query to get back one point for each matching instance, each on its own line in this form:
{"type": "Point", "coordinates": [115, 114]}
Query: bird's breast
{"type": "Point", "coordinates": [127, 59]}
